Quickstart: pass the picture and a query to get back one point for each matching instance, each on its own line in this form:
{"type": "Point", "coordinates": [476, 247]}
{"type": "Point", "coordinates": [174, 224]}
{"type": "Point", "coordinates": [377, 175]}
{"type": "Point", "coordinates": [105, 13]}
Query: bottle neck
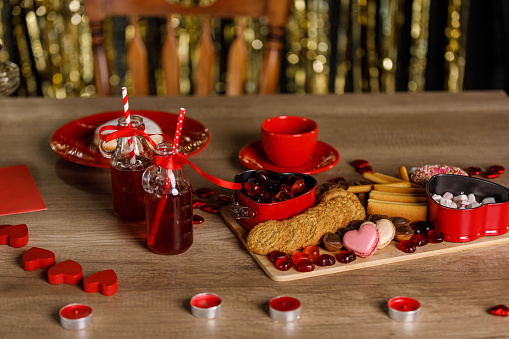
{"type": "Point", "coordinates": [136, 122]}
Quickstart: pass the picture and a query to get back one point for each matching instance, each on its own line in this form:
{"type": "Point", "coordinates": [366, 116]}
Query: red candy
{"type": "Point", "coordinates": [204, 192]}
{"type": "Point", "coordinates": [338, 179]}
{"type": "Point", "coordinates": [198, 204]}
{"type": "Point", "coordinates": [435, 236]}
{"type": "Point", "coordinates": [304, 265]}
{"type": "Point", "coordinates": [325, 260]}
{"type": "Point", "coordinates": [298, 256]}
{"type": "Point", "coordinates": [473, 170]}
{"type": "Point", "coordinates": [419, 239]}
{"type": "Point", "coordinates": [266, 189]}
{"type": "Point", "coordinates": [500, 310]}
{"type": "Point", "coordinates": [407, 246]}
{"type": "Point", "coordinates": [497, 168]}
{"type": "Point", "coordinates": [365, 169]}
{"type": "Point", "coordinates": [275, 255]}
{"type": "Point", "coordinates": [210, 208]}
{"type": "Point", "coordinates": [197, 219]}
{"type": "Point", "coordinates": [491, 174]}
{"type": "Point", "coordinates": [263, 175]}
{"type": "Point", "coordinates": [359, 163]}
{"type": "Point", "coordinates": [298, 187]}
{"type": "Point", "coordinates": [284, 264]}
{"type": "Point", "coordinates": [252, 189]}
{"type": "Point", "coordinates": [346, 257]}
{"type": "Point", "coordinates": [223, 200]}
{"type": "Point", "coordinates": [313, 252]}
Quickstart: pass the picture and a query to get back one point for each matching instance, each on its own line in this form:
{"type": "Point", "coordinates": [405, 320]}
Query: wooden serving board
{"type": "Point", "coordinates": [388, 255]}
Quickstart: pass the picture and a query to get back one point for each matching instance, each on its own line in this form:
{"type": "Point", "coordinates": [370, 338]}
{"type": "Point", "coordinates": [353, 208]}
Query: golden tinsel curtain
{"type": "Point", "coordinates": [332, 46]}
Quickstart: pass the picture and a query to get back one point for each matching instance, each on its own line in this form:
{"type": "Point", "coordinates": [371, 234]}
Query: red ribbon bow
{"type": "Point", "coordinates": [126, 132]}
{"type": "Point", "coordinates": [169, 162]}
{"type": "Point", "coordinates": [178, 161]}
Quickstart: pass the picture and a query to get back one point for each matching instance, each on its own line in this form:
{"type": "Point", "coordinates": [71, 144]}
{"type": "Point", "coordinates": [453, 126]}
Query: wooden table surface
{"type": "Point", "coordinates": [455, 290]}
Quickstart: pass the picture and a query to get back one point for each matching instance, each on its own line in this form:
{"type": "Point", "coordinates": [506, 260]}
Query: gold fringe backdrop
{"type": "Point", "coordinates": [332, 46]}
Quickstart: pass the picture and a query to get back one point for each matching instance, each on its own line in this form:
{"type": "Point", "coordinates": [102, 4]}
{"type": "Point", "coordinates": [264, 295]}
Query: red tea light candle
{"type": "Point", "coordinates": [284, 308]}
{"type": "Point", "coordinates": [404, 309]}
{"type": "Point", "coordinates": [75, 316]}
{"type": "Point", "coordinates": [206, 305]}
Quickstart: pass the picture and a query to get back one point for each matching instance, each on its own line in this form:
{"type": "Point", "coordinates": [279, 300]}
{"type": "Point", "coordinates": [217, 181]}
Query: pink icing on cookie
{"type": "Point", "coordinates": [363, 242]}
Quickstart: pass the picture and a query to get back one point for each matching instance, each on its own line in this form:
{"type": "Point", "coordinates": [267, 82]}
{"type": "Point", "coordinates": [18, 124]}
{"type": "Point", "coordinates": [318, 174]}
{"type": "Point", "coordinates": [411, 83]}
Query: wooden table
{"type": "Point", "coordinates": [455, 290]}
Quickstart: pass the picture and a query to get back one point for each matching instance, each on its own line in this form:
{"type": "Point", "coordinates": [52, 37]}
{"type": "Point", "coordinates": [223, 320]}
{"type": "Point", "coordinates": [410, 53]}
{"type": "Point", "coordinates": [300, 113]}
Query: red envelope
{"type": "Point", "coordinates": [18, 192]}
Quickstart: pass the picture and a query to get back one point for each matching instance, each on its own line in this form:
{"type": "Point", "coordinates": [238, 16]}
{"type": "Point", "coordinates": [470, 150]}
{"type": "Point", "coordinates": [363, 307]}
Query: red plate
{"type": "Point", "coordinates": [74, 140]}
{"type": "Point", "coordinates": [325, 157]}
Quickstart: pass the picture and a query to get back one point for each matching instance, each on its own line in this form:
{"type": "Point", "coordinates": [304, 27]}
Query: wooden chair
{"type": "Point", "coordinates": [275, 11]}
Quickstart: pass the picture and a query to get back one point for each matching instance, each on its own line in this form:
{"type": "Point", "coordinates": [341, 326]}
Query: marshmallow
{"type": "Point", "coordinates": [488, 200]}
{"type": "Point", "coordinates": [448, 196]}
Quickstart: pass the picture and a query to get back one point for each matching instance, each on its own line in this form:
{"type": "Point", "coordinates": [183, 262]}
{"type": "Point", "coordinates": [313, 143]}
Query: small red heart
{"type": "Point", "coordinates": [37, 257]}
{"type": "Point", "coordinates": [69, 272]}
{"type": "Point", "coordinates": [104, 281]}
{"type": "Point", "coordinates": [15, 236]}
{"type": "Point", "coordinates": [501, 310]}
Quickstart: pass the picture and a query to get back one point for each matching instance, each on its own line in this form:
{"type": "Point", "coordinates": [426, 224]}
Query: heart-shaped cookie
{"type": "Point", "coordinates": [104, 281]}
{"type": "Point", "coordinates": [37, 257]}
{"type": "Point", "coordinates": [501, 310]}
{"type": "Point", "coordinates": [363, 242]}
{"type": "Point", "coordinates": [15, 236]}
{"type": "Point", "coordinates": [69, 272]}
{"type": "Point", "coordinates": [386, 231]}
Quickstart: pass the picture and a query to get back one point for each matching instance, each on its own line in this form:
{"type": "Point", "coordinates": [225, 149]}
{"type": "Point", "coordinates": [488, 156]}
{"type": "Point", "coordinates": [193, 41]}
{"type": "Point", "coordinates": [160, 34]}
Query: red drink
{"type": "Point", "coordinates": [128, 194]}
{"type": "Point", "coordinates": [174, 233]}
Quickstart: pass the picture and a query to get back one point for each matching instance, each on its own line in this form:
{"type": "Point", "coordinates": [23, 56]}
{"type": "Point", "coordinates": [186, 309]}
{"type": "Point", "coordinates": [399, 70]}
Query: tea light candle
{"type": "Point", "coordinates": [206, 305]}
{"type": "Point", "coordinates": [404, 309]}
{"type": "Point", "coordinates": [284, 308]}
{"type": "Point", "coordinates": [75, 316]}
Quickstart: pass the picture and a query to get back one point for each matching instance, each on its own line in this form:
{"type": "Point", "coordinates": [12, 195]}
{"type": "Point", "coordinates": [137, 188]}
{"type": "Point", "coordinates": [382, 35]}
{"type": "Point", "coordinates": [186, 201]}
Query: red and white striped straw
{"type": "Point", "coordinates": [178, 131]}
{"type": "Point", "coordinates": [132, 153]}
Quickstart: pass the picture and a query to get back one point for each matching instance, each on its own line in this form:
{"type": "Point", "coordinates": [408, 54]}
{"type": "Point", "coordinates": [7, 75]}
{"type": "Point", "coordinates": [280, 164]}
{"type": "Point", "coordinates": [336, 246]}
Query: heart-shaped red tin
{"type": "Point", "coordinates": [463, 225]}
{"type": "Point", "coordinates": [104, 281]}
{"type": "Point", "coordinates": [37, 257]}
{"type": "Point", "coordinates": [69, 272]}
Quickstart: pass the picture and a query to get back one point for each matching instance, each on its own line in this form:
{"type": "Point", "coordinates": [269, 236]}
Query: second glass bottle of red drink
{"type": "Point", "coordinates": [169, 206]}
{"type": "Point", "coordinates": [126, 174]}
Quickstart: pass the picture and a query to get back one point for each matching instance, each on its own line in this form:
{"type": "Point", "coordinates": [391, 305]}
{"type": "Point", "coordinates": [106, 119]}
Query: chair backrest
{"type": "Point", "coordinates": [275, 12]}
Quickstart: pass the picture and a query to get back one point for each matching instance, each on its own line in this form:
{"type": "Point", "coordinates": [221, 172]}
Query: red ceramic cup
{"type": "Point", "coordinates": [289, 141]}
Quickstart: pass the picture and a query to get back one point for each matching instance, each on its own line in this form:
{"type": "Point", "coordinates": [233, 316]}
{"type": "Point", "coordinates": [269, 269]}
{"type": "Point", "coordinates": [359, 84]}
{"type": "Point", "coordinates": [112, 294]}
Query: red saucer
{"type": "Point", "coordinates": [325, 157]}
{"type": "Point", "coordinates": [74, 140]}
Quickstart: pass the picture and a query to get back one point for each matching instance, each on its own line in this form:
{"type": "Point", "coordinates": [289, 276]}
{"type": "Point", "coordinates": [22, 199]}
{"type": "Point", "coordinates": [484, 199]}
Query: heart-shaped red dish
{"type": "Point", "coordinates": [463, 225]}
{"type": "Point", "coordinates": [250, 212]}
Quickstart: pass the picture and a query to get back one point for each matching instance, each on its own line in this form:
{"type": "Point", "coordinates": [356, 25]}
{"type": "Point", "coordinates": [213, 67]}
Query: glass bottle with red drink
{"type": "Point", "coordinates": [127, 172]}
{"type": "Point", "coordinates": [169, 207]}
